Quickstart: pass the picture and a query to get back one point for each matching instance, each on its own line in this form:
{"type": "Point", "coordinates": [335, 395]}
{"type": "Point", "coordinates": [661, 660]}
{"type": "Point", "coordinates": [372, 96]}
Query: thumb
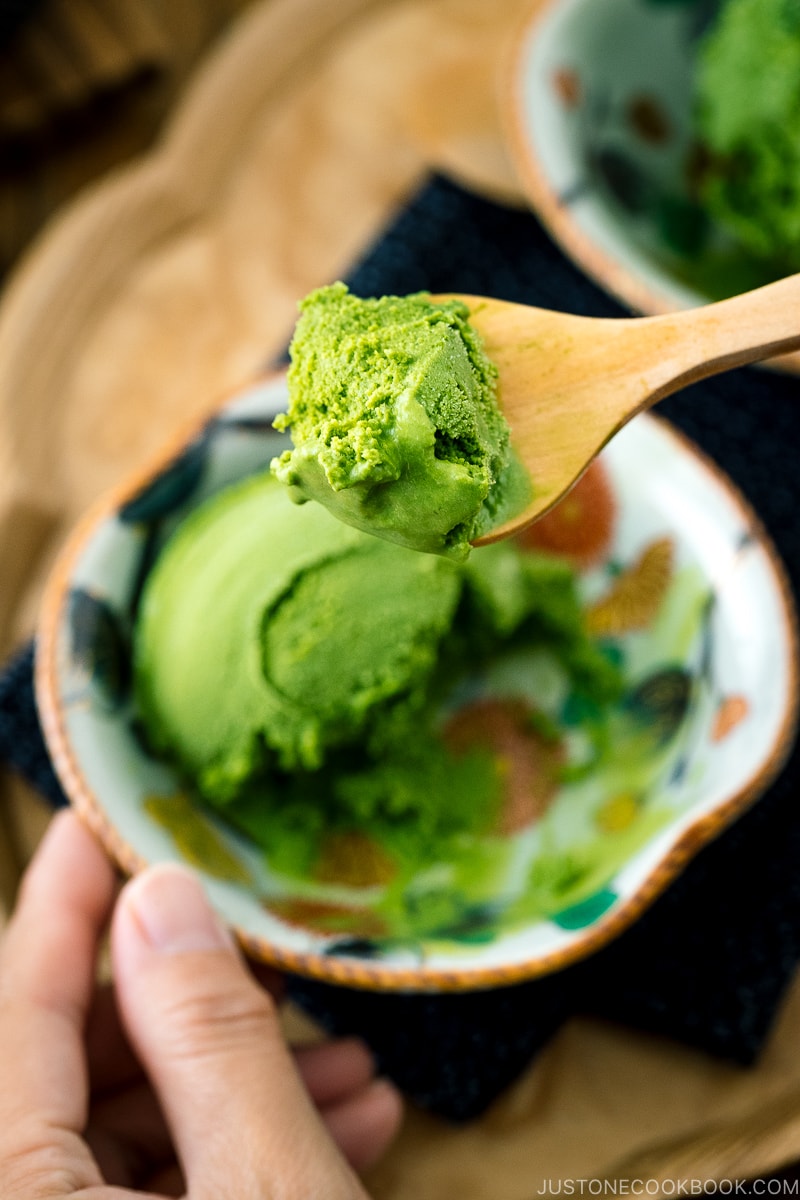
{"type": "Point", "coordinates": [210, 1041]}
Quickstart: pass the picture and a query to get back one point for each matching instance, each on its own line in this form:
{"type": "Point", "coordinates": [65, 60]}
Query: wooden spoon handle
{"type": "Point", "coordinates": [705, 341]}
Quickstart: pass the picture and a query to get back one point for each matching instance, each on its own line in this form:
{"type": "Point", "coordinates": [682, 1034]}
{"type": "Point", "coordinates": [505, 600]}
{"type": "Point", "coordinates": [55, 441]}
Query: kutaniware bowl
{"type": "Point", "coordinates": [684, 588]}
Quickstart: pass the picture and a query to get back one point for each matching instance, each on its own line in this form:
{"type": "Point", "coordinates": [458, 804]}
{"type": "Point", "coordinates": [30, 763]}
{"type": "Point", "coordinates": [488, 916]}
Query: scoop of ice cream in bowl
{"type": "Point", "coordinates": [404, 770]}
{"type": "Point", "coordinates": [656, 143]}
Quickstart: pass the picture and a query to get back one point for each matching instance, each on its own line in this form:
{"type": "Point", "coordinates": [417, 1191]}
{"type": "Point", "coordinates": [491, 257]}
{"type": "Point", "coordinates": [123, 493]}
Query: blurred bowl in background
{"type": "Point", "coordinates": [599, 118]}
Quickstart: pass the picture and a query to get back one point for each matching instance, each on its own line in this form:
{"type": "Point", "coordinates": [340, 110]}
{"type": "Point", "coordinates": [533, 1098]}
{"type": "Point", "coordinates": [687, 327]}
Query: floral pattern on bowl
{"type": "Point", "coordinates": [600, 121]}
{"type": "Point", "coordinates": [678, 583]}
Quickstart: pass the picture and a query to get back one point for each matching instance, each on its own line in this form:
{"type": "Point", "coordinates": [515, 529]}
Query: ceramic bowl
{"type": "Point", "coordinates": [684, 588]}
{"type": "Point", "coordinates": [599, 117]}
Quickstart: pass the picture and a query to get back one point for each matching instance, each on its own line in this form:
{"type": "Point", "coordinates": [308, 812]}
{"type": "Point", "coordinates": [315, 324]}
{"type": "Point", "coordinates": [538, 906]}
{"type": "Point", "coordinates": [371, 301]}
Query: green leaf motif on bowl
{"type": "Point", "coordinates": [578, 916]}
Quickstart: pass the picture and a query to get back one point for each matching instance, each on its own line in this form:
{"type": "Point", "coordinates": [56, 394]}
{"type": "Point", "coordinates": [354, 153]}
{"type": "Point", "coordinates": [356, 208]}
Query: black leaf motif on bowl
{"type": "Point", "coordinates": [171, 487]}
{"type": "Point", "coordinates": [98, 645]}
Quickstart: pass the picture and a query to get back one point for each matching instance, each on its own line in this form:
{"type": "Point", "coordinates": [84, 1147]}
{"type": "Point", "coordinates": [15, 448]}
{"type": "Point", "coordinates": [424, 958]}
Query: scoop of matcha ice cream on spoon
{"type": "Point", "coordinates": [394, 419]}
{"type": "Point", "coordinates": [397, 430]}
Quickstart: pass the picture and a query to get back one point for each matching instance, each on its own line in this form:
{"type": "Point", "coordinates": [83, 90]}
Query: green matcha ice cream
{"type": "Point", "coordinates": [296, 669]}
{"type": "Point", "coordinates": [258, 633]}
{"type": "Point", "coordinates": [394, 420]}
{"type": "Point", "coordinates": [748, 118]}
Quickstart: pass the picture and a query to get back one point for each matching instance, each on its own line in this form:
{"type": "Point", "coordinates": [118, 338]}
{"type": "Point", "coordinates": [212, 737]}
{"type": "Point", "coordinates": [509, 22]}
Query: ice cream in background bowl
{"type": "Point", "coordinates": [398, 770]}
{"type": "Point", "coordinates": [655, 141]}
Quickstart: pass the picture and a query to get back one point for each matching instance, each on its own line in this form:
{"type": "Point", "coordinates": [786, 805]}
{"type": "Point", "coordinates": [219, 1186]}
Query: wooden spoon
{"type": "Point", "coordinates": [567, 384]}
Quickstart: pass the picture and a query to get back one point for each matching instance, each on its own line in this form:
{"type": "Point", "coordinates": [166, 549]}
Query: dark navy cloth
{"type": "Point", "coordinates": [709, 961]}
{"type": "Point", "coordinates": [21, 740]}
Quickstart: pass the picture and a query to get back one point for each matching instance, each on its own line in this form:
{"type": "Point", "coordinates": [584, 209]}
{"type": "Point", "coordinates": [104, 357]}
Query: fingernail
{"type": "Point", "coordinates": [172, 913]}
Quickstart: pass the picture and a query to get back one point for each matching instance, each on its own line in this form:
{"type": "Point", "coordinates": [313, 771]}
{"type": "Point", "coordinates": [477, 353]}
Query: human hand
{"type": "Point", "coordinates": [191, 1087]}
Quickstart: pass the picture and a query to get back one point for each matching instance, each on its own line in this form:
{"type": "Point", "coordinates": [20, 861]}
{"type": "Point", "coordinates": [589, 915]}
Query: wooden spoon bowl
{"type": "Point", "coordinates": [567, 384]}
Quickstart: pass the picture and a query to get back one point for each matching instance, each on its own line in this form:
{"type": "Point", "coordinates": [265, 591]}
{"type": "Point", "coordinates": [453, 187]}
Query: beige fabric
{"type": "Point", "coordinates": [603, 1102]}
{"type": "Point", "coordinates": [177, 278]}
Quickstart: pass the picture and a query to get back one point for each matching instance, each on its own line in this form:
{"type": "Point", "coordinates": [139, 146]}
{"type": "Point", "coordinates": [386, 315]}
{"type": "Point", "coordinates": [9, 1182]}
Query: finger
{"type": "Point", "coordinates": [47, 966]}
{"type": "Point", "coordinates": [127, 1126]}
{"type": "Point", "coordinates": [362, 1114]}
{"type": "Point", "coordinates": [198, 1021]}
{"type": "Point", "coordinates": [112, 1061]}
{"type": "Point", "coordinates": [332, 1071]}
{"type": "Point", "coordinates": [366, 1123]}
